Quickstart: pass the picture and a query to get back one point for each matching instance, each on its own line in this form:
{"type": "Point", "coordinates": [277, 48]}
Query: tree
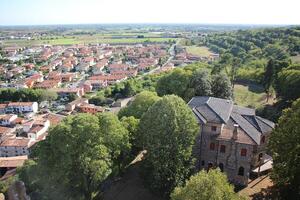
{"type": "Point", "coordinates": [285, 147]}
{"type": "Point", "coordinates": [269, 77]}
{"type": "Point", "coordinates": [174, 83]}
{"type": "Point", "coordinates": [288, 83]}
{"type": "Point", "coordinates": [201, 82]}
{"type": "Point", "coordinates": [167, 131]}
{"type": "Point", "coordinates": [212, 185]}
{"type": "Point", "coordinates": [141, 103]}
{"type": "Point", "coordinates": [116, 138]}
{"type": "Point", "coordinates": [80, 153]}
{"type": "Point", "coordinates": [221, 86]}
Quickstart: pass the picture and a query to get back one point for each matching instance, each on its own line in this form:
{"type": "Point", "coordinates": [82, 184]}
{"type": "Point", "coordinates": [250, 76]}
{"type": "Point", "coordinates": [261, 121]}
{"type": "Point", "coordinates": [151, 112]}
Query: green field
{"type": "Point", "coordinates": [249, 95]}
{"type": "Point", "coordinates": [296, 59]}
{"type": "Point", "coordinates": [85, 39]}
{"type": "Point", "coordinates": [198, 51]}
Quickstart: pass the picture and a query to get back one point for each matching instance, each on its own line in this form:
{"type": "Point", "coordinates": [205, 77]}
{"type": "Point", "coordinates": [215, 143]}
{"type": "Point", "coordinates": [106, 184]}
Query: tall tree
{"type": "Point", "coordinates": [167, 131]}
{"type": "Point", "coordinates": [285, 146]}
{"type": "Point", "coordinates": [221, 86]}
{"type": "Point", "coordinates": [288, 83]}
{"type": "Point", "coordinates": [174, 83]}
{"type": "Point", "coordinates": [141, 103]}
{"type": "Point", "coordinates": [201, 82]}
{"type": "Point", "coordinates": [79, 154]}
{"type": "Point", "coordinates": [212, 185]}
{"type": "Point", "coordinates": [269, 77]}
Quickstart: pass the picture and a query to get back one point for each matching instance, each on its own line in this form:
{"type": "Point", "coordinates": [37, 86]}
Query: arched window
{"type": "Point", "coordinates": [243, 152]}
{"type": "Point", "coordinates": [221, 166]}
{"type": "Point", "coordinates": [223, 149]}
{"type": "Point", "coordinates": [263, 139]}
{"type": "Point", "coordinates": [241, 171]}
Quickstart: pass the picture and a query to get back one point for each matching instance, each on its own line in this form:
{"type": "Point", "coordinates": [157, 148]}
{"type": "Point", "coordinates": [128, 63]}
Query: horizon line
{"type": "Point", "coordinates": [153, 23]}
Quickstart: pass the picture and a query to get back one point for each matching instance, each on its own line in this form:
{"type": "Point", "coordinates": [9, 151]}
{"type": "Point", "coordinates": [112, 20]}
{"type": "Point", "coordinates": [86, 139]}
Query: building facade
{"type": "Point", "coordinates": [232, 138]}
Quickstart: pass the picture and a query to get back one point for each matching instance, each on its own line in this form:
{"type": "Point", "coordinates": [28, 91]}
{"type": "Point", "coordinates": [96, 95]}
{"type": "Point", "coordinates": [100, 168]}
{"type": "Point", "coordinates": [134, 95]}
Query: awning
{"type": "Point", "coordinates": [267, 164]}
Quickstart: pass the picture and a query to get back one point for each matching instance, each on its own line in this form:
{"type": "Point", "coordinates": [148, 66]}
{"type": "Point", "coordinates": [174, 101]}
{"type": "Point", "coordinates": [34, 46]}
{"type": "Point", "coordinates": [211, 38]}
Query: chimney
{"type": "Point", "coordinates": [235, 132]}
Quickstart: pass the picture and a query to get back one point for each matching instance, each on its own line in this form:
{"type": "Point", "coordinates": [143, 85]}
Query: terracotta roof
{"type": "Point", "coordinates": [12, 162]}
{"type": "Point", "coordinates": [15, 142]}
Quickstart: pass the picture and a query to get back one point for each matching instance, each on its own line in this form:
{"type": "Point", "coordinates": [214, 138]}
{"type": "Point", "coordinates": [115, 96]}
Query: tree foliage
{"type": "Point", "coordinates": [80, 154]}
{"type": "Point", "coordinates": [221, 86]}
{"type": "Point", "coordinates": [141, 103]}
{"type": "Point", "coordinates": [201, 83]}
{"type": "Point", "coordinates": [212, 185]}
{"type": "Point", "coordinates": [174, 83]}
{"type": "Point", "coordinates": [285, 146]}
{"type": "Point", "coordinates": [167, 131]}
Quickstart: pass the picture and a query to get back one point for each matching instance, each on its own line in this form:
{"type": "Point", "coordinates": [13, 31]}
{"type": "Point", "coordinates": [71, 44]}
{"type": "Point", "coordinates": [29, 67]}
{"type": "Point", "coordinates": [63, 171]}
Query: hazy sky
{"type": "Point", "coordinates": [24, 12]}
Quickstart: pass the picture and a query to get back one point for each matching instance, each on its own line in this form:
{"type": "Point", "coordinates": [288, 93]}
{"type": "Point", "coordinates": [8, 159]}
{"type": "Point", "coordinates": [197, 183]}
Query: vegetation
{"type": "Point", "coordinates": [167, 131]}
{"type": "Point", "coordinates": [141, 103]}
{"type": "Point", "coordinates": [198, 51]}
{"type": "Point", "coordinates": [78, 156]}
{"type": "Point", "coordinates": [212, 185]}
{"type": "Point", "coordinates": [26, 95]}
{"type": "Point", "coordinates": [285, 146]}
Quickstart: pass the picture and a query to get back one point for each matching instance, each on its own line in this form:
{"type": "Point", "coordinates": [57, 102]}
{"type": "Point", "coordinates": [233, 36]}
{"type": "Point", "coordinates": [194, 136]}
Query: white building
{"type": "Point", "coordinates": [22, 107]}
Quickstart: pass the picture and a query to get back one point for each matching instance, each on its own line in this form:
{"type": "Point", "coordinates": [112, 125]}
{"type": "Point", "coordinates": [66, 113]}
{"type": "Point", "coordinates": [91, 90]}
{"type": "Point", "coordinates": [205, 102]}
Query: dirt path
{"type": "Point", "coordinates": [130, 187]}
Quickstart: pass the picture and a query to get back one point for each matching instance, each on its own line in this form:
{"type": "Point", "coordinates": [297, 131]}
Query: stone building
{"type": "Point", "coordinates": [232, 138]}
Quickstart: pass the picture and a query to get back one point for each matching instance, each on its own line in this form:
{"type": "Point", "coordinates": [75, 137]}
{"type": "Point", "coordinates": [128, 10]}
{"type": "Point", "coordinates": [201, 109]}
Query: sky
{"type": "Point", "coordinates": [43, 12]}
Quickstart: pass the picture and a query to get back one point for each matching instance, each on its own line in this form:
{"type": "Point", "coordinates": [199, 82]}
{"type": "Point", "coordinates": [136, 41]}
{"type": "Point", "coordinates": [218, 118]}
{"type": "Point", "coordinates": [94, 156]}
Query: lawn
{"type": "Point", "coordinates": [85, 39]}
{"type": "Point", "coordinates": [250, 95]}
{"type": "Point", "coordinates": [296, 59]}
{"type": "Point", "coordinates": [198, 51]}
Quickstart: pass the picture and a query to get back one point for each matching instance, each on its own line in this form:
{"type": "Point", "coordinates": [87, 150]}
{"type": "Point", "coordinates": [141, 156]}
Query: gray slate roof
{"type": "Point", "coordinates": [216, 110]}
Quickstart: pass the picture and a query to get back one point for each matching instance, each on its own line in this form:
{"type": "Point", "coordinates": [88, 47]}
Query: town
{"type": "Point", "coordinates": [106, 101]}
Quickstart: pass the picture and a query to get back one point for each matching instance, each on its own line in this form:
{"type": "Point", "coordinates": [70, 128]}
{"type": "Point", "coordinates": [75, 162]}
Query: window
{"type": "Point", "coordinates": [263, 139]}
{"type": "Point", "coordinates": [212, 146]}
{"type": "Point", "coordinates": [260, 156]}
{"type": "Point", "coordinates": [202, 162]}
{"type": "Point", "coordinates": [241, 171]}
{"type": "Point", "coordinates": [223, 149]}
{"type": "Point", "coordinates": [214, 128]}
{"type": "Point", "coordinates": [221, 166]}
{"type": "Point", "coordinates": [243, 152]}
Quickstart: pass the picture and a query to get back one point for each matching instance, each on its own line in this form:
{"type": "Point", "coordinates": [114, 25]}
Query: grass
{"type": "Point", "coordinates": [198, 51]}
{"type": "Point", "coordinates": [296, 59]}
{"type": "Point", "coordinates": [249, 95]}
{"type": "Point", "coordinates": [85, 39]}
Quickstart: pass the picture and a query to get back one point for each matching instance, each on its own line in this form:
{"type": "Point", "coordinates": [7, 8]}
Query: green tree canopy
{"type": "Point", "coordinates": [285, 146]}
{"type": "Point", "coordinates": [175, 82]}
{"type": "Point", "coordinates": [221, 86]}
{"type": "Point", "coordinates": [212, 185]}
{"type": "Point", "coordinates": [167, 131]}
{"type": "Point", "coordinates": [80, 153]}
{"type": "Point", "coordinates": [288, 82]}
{"type": "Point", "coordinates": [141, 103]}
{"type": "Point", "coordinates": [201, 82]}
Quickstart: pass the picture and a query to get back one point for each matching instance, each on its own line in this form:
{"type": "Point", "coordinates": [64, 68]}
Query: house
{"type": "Point", "coordinates": [118, 67]}
{"type": "Point", "coordinates": [22, 107]}
{"type": "Point", "coordinates": [66, 92]}
{"type": "Point", "coordinates": [38, 129]}
{"type": "Point", "coordinates": [7, 120]}
{"type": "Point", "coordinates": [94, 84]}
{"type": "Point", "coordinates": [6, 132]}
{"type": "Point", "coordinates": [232, 138]}
{"type": "Point", "coordinates": [110, 79]}
{"type": "Point", "coordinates": [72, 105]}
{"type": "Point", "coordinates": [89, 108]}
{"type": "Point", "coordinates": [48, 84]}
{"type": "Point", "coordinates": [3, 108]}
{"type": "Point", "coordinates": [97, 69]}
{"type": "Point", "coordinates": [15, 147]}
